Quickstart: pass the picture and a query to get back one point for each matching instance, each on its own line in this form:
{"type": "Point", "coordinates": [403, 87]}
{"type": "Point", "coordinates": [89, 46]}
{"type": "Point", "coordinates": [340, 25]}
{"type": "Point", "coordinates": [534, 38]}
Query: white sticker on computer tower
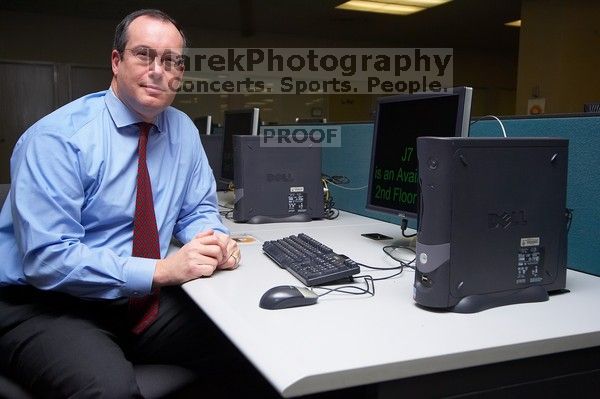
{"type": "Point", "coordinates": [297, 202]}
{"type": "Point", "coordinates": [530, 241]}
{"type": "Point", "coordinates": [530, 262]}
{"type": "Point", "coordinates": [296, 189]}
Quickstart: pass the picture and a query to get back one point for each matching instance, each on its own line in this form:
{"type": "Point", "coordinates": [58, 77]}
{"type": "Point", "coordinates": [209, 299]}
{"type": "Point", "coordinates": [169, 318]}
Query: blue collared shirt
{"type": "Point", "coordinates": [67, 224]}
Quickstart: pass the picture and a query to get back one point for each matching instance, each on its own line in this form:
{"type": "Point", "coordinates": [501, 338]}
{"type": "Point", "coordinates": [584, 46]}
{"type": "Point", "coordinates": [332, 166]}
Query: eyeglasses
{"type": "Point", "coordinates": [168, 60]}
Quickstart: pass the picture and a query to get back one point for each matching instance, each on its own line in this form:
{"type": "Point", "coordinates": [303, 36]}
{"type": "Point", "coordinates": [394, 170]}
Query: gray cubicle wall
{"type": "Point", "coordinates": [352, 159]}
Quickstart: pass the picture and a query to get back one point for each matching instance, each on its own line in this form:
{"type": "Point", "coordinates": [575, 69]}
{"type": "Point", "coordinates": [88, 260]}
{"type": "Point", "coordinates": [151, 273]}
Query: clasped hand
{"type": "Point", "coordinates": [208, 251]}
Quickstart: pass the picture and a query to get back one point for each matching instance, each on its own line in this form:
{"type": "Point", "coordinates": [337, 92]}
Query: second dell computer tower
{"type": "Point", "coordinates": [492, 221]}
{"type": "Point", "coordinates": [276, 183]}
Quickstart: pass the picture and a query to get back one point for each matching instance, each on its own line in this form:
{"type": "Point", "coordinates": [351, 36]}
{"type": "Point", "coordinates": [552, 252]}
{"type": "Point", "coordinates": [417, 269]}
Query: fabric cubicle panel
{"type": "Point", "coordinates": [352, 159]}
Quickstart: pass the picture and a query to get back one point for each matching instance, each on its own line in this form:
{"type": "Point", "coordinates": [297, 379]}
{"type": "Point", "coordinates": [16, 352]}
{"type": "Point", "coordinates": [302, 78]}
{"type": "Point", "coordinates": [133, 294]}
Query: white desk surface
{"type": "Point", "coordinates": [347, 340]}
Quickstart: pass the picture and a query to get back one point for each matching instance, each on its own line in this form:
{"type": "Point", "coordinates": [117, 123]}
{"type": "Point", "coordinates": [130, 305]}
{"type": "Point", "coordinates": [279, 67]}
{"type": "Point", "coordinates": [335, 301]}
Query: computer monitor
{"type": "Point", "coordinates": [204, 124]}
{"type": "Point", "coordinates": [236, 122]}
{"type": "Point", "coordinates": [393, 177]}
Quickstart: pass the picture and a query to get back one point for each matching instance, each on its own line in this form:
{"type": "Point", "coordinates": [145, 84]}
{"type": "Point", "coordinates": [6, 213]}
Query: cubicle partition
{"type": "Point", "coordinates": [352, 159]}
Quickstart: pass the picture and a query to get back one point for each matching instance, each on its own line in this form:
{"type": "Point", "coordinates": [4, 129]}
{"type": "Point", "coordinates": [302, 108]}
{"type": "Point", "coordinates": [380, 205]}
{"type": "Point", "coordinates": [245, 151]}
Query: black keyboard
{"type": "Point", "coordinates": [310, 261]}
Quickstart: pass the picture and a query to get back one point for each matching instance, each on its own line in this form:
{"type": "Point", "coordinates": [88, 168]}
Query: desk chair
{"type": "Point", "coordinates": [154, 380]}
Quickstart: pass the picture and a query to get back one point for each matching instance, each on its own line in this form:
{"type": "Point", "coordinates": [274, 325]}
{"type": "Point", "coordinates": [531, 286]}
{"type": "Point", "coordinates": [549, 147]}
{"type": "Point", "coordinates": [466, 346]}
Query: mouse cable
{"type": "Point", "coordinates": [401, 268]}
{"type": "Point", "coordinates": [350, 289]}
{"type": "Point", "coordinates": [390, 276]}
{"type": "Point", "coordinates": [380, 268]}
{"type": "Point", "coordinates": [389, 250]}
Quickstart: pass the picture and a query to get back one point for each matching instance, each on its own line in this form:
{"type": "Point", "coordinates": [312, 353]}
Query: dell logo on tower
{"type": "Point", "coordinates": [284, 177]}
{"type": "Point", "coordinates": [506, 219]}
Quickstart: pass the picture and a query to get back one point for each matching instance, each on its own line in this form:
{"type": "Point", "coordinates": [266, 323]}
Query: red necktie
{"type": "Point", "coordinates": [144, 311]}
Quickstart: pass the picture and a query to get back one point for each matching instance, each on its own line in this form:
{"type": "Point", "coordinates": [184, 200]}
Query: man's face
{"type": "Point", "coordinates": [146, 75]}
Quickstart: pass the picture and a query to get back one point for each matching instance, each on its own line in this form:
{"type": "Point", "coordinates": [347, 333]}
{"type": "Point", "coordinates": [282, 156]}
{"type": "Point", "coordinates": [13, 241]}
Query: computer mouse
{"type": "Point", "coordinates": [287, 296]}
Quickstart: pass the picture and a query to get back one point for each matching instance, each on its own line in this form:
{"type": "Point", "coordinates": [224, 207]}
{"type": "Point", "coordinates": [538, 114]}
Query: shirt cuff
{"type": "Point", "coordinates": [139, 273]}
{"type": "Point", "coordinates": [222, 229]}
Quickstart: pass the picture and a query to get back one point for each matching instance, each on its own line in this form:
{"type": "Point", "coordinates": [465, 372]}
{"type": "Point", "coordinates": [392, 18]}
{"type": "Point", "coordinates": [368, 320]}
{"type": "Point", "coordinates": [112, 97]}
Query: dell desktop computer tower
{"type": "Point", "coordinates": [275, 183]}
{"type": "Point", "coordinates": [492, 221]}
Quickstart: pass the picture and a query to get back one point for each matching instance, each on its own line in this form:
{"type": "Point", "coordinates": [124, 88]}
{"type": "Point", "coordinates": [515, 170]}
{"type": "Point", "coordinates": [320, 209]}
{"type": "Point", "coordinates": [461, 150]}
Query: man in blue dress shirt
{"type": "Point", "coordinates": [67, 272]}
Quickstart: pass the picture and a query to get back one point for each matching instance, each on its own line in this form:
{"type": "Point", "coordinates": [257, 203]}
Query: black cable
{"type": "Point", "coordinates": [569, 215]}
{"type": "Point", "coordinates": [345, 289]}
{"type": "Point", "coordinates": [330, 212]}
{"type": "Point", "coordinates": [335, 179]}
{"type": "Point", "coordinates": [393, 275]}
{"type": "Point", "coordinates": [227, 213]}
{"type": "Point", "coordinates": [401, 268]}
{"type": "Point", "coordinates": [389, 249]}
{"type": "Point", "coordinates": [354, 290]}
{"type": "Point", "coordinates": [380, 268]}
{"type": "Point", "coordinates": [403, 227]}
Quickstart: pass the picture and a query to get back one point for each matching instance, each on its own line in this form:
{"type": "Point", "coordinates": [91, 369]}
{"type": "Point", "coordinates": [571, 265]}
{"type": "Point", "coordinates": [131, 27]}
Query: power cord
{"type": "Point", "coordinates": [403, 227]}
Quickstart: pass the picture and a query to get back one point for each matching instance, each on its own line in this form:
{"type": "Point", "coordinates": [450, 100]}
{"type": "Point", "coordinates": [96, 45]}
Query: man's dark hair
{"type": "Point", "coordinates": [121, 31]}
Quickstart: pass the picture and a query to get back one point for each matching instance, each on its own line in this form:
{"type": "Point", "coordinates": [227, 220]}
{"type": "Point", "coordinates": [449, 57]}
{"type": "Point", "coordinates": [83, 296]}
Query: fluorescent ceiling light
{"type": "Point", "coordinates": [418, 3]}
{"type": "Point", "coordinates": [396, 7]}
{"type": "Point", "coordinates": [516, 24]}
{"type": "Point", "coordinates": [384, 8]}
